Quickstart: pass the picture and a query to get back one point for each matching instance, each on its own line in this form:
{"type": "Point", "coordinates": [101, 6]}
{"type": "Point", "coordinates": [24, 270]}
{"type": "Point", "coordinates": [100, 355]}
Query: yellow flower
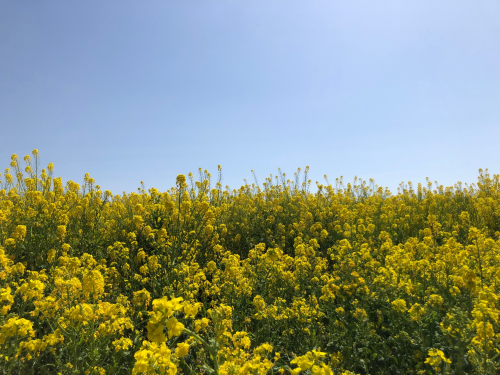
{"type": "Point", "coordinates": [201, 324]}
{"type": "Point", "coordinates": [321, 370]}
{"type": "Point", "coordinates": [65, 248]}
{"type": "Point", "coordinates": [435, 358]}
{"type": "Point", "coordinates": [259, 303]}
{"type": "Point", "coordinates": [155, 331]}
{"type": "Point", "coordinates": [152, 357]}
{"type": "Point", "coordinates": [6, 296]}
{"type": "Point", "coordinates": [10, 242]}
{"type": "Point", "coordinates": [307, 361]}
{"type": "Point", "coordinates": [416, 312]}
{"type": "Point", "coordinates": [182, 350]}
{"type": "Point", "coordinates": [399, 305]}
{"type": "Point", "coordinates": [16, 327]}
{"type": "Point", "coordinates": [61, 231]}
{"type": "Point", "coordinates": [19, 233]}
{"type": "Point", "coordinates": [190, 310]}
{"type": "Point", "coordinates": [31, 289]}
{"type": "Point", "coordinates": [174, 327]}
{"type": "Point", "coordinates": [50, 255]}
{"type": "Point", "coordinates": [141, 298]}
{"type": "Point", "coordinates": [241, 340]}
{"type": "Point", "coordinates": [167, 307]}
{"type": "Point", "coordinates": [181, 179]}
{"type": "Point", "coordinates": [122, 344]}
{"type": "Point", "coordinates": [435, 300]}
{"type": "Point", "coordinates": [93, 283]}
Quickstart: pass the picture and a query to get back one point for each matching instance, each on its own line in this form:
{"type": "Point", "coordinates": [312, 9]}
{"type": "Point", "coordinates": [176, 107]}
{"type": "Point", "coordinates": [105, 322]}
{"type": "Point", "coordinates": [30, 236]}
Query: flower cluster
{"type": "Point", "coordinates": [349, 279]}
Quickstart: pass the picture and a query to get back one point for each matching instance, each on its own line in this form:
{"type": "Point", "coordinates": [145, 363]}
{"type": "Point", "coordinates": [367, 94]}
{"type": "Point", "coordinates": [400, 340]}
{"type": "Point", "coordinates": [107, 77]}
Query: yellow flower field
{"type": "Point", "coordinates": [271, 279]}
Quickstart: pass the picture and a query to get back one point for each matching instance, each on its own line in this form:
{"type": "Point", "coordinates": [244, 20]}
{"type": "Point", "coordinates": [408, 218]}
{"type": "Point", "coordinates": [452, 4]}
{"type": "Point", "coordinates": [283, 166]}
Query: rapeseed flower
{"type": "Point", "coordinates": [229, 276]}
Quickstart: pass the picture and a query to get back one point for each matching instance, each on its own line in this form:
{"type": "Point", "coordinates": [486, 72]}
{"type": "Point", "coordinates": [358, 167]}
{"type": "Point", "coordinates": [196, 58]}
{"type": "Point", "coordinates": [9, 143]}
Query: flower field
{"type": "Point", "coordinates": [267, 279]}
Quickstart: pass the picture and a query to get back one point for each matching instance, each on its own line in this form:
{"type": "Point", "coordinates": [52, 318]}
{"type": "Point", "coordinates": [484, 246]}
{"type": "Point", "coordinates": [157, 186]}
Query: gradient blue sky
{"type": "Point", "coordinates": [145, 90]}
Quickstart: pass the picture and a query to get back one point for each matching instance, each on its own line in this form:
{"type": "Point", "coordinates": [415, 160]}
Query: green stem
{"type": "Point", "coordinates": [207, 346]}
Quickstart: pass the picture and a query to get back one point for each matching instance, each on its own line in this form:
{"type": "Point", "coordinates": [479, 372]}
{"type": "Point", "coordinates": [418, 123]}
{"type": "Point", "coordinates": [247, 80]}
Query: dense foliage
{"type": "Point", "coordinates": [266, 279]}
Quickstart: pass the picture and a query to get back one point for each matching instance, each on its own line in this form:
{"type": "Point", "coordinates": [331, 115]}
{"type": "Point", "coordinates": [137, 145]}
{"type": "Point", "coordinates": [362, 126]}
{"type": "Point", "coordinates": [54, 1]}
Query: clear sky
{"type": "Point", "coordinates": [145, 90]}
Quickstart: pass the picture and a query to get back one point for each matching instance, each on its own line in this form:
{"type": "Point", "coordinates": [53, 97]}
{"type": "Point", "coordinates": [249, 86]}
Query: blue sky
{"type": "Point", "coordinates": [130, 91]}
